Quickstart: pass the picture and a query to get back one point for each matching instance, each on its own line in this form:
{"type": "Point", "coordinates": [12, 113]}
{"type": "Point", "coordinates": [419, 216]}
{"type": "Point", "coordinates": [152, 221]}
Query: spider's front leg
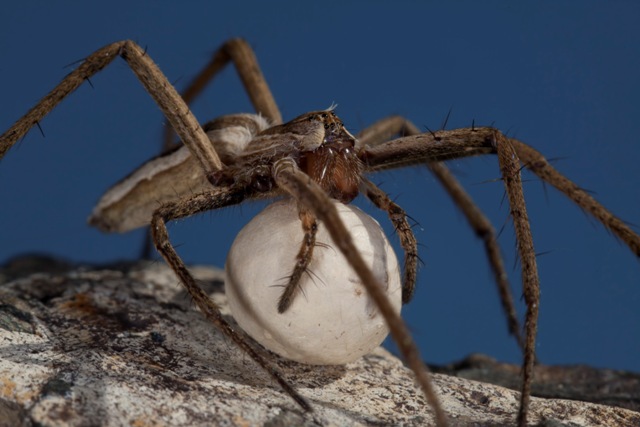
{"type": "Point", "coordinates": [459, 143]}
{"type": "Point", "coordinates": [306, 191]}
{"type": "Point", "coordinates": [465, 142]}
{"type": "Point", "coordinates": [380, 133]}
{"type": "Point", "coordinates": [186, 207]}
{"type": "Point", "coordinates": [510, 168]}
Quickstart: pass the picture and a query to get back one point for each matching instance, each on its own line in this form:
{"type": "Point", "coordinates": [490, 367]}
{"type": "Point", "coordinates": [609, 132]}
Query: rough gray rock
{"type": "Point", "coordinates": [122, 345]}
{"type": "Point", "coordinates": [578, 382]}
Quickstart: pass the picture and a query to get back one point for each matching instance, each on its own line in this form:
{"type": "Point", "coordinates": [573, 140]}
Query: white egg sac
{"type": "Point", "coordinates": [332, 320]}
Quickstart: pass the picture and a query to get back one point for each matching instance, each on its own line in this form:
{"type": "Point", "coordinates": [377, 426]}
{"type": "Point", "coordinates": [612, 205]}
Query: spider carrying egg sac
{"type": "Point", "coordinates": [332, 320]}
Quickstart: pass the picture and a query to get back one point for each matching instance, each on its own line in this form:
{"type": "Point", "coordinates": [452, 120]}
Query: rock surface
{"type": "Point", "coordinates": [580, 382]}
{"type": "Point", "coordinates": [123, 345]}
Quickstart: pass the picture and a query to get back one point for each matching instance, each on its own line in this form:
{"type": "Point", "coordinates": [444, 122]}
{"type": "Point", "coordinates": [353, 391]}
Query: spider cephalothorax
{"type": "Point", "coordinates": [312, 159]}
{"type": "Point", "coordinates": [334, 164]}
{"type": "Point", "coordinates": [317, 141]}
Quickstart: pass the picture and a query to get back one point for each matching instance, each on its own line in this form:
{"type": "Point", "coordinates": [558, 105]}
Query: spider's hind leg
{"type": "Point", "coordinates": [239, 53]}
{"type": "Point", "coordinates": [305, 254]}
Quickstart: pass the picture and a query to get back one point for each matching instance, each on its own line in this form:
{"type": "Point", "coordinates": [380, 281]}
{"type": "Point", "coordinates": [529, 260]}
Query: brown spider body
{"type": "Point", "coordinates": [317, 141]}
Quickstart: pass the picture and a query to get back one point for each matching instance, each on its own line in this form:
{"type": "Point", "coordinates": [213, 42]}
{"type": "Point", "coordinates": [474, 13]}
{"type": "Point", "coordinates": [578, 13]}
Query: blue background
{"type": "Point", "coordinates": [561, 77]}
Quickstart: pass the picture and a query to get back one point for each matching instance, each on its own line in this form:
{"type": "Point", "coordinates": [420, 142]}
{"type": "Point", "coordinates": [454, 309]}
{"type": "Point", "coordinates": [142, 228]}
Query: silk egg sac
{"type": "Point", "coordinates": [332, 320]}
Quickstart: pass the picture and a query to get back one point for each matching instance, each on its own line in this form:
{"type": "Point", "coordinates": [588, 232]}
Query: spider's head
{"type": "Point", "coordinates": [335, 134]}
{"type": "Point", "coordinates": [333, 163]}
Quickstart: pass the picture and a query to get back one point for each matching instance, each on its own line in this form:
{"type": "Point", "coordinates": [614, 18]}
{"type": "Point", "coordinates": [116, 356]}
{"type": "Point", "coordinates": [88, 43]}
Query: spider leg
{"type": "Point", "coordinates": [536, 163]}
{"type": "Point", "coordinates": [189, 206]}
{"type": "Point", "coordinates": [299, 185]}
{"type": "Point", "coordinates": [171, 104]}
{"type": "Point", "coordinates": [485, 231]}
{"type": "Point", "coordinates": [510, 168]}
{"type": "Point", "coordinates": [466, 142]}
{"type": "Point", "coordinates": [407, 239]}
{"type": "Point", "coordinates": [380, 132]}
{"type": "Point", "coordinates": [385, 129]}
{"type": "Point", "coordinates": [428, 147]}
{"type": "Point", "coordinates": [310, 228]}
{"type": "Point", "coordinates": [239, 52]}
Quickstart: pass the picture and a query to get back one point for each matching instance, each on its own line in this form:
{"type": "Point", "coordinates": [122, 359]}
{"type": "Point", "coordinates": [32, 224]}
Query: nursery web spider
{"type": "Point", "coordinates": [314, 158]}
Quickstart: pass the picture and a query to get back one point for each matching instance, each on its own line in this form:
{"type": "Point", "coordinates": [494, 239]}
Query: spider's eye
{"type": "Point", "coordinates": [324, 115]}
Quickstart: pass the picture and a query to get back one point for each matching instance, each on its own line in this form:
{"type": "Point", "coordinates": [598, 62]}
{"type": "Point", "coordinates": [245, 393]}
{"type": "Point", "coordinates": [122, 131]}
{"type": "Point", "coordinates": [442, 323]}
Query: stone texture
{"type": "Point", "coordinates": [580, 382]}
{"type": "Point", "coordinates": [122, 345]}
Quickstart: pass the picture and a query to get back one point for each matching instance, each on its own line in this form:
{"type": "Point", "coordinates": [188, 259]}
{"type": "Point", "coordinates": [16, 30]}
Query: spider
{"type": "Point", "coordinates": [314, 158]}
